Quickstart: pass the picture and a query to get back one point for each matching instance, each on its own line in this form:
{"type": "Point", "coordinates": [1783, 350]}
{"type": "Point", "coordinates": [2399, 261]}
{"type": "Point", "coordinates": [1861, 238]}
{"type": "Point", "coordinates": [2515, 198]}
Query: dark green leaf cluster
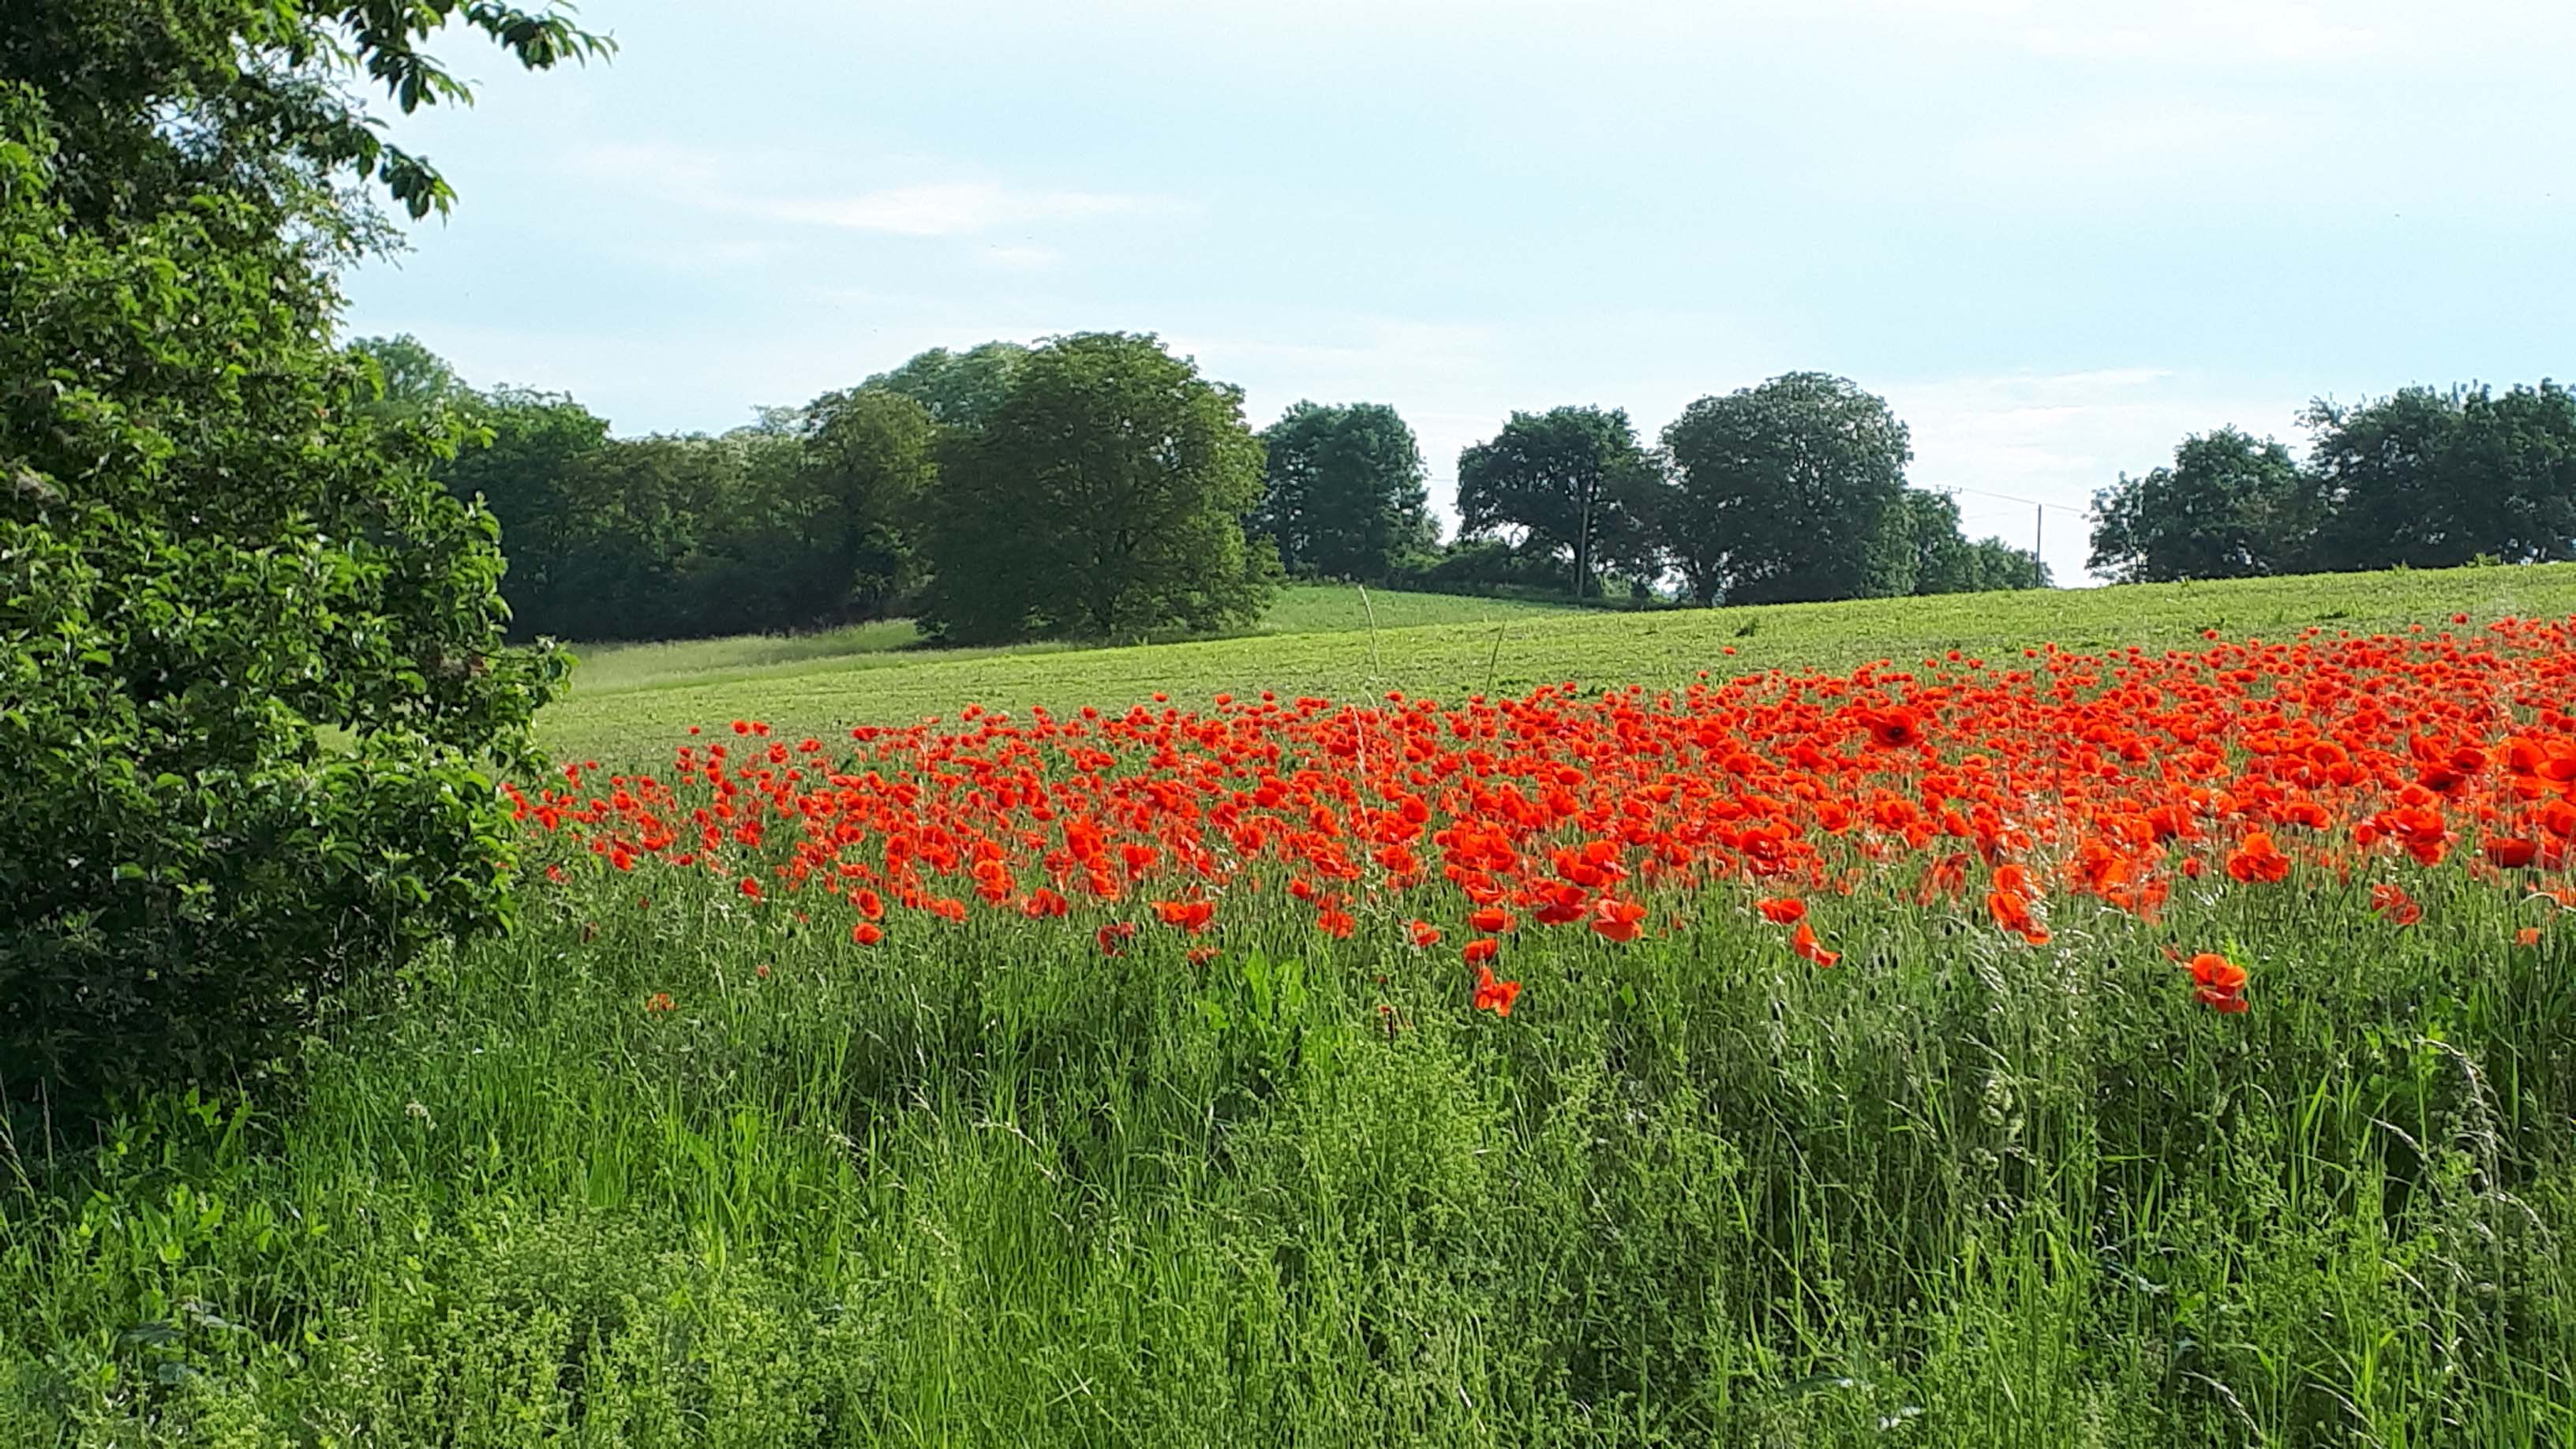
{"type": "Point", "coordinates": [957, 389]}
{"type": "Point", "coordinates": [810, 517]}
{"type": "Point", "coordinates": [1791, 491]}
{"type": "Point", "coordinates": [252, 678]}
{"type": "Point", "coordinates": [1946, 561]}
{"type": "Point", "coordinates": [1094, 485]}
{"type": "Point", "coordinates": [2231, 506]}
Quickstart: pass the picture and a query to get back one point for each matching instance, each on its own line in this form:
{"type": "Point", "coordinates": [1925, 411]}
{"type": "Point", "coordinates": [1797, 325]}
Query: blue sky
{"type": "Point", "coordinates": [2054, 236]}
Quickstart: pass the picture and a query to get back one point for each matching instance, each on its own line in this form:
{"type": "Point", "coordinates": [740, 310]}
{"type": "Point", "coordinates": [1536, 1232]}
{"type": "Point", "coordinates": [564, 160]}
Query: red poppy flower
{"type": "Point", "coordinates": [1492, 995]}
{"type": "Point", "coordinates": [2509, 853]}
{"type": "Point", "coordinates": [1783, 910]}
{"type": "Point", "coordinates": [1804, 942]}
{"type": "Point", "coordinates": [2258, 859]}
{"type": "Point", "coordinates": [1891, 729]}
{"type": "Point", "coordinates": [2218, 982]}
{"type": "Point", "coordinates": [1616, 919]}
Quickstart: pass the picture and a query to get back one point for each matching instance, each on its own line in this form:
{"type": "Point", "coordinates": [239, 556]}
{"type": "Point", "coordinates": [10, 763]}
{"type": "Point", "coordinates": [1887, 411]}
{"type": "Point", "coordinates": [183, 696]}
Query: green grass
{"type": "Point", "coordinates": [606, 669]}
{"type": "Point", "coordinates": [1453, 647]}
{"type": "Point", "coordinates": [990, 1188]}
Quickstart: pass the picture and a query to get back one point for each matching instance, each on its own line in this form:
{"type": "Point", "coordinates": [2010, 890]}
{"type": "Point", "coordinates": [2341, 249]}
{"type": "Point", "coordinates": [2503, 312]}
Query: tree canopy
{"type": "Point", "coordinates": [1103, 496]}
{"type": "Point", "coordinates": [518, 462]}
{"type": "Point", "coordinates": [417, 382]}
{"type": "Point", "coordinates": [2433, 480]}
{"type": "Point", "coordinates": [1342, 494]}
{"type": "Point", "coordinates": [849, 510]}
{"type": "Point", "coordinates": [1946, 561]}
{"type": "Point", "coordinates": [1568, 479]}
{"type": "Point", "coordinates": [957, 389]}
{"type": "Point", "coordinates": [1789, 491]}
{"type": "Point", "coordinates": [157, 106]}
{"type": "Point", "coordinates": [2422, 478]}
{"type": "Point", "coordinates": [2230, 506]}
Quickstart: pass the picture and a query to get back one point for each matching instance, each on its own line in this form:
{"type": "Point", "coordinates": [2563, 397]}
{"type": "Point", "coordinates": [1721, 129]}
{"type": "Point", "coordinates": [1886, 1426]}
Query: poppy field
{"type": "Point", "coordinates": [1978, 788]}
{"type": "Point", "coordinates": [2161, 1041]}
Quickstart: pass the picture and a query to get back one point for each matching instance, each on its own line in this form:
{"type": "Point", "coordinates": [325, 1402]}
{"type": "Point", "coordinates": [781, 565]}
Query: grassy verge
{"type": "Point", "coordinates": [674, 1167]}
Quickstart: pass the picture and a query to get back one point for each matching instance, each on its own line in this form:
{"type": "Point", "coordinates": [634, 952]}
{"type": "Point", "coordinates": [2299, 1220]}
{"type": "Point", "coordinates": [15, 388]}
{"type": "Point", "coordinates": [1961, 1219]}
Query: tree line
{"type": "Point", "coordinates": [1097, 485]}
{"type": "Point", "coordinates": [2422, 479]}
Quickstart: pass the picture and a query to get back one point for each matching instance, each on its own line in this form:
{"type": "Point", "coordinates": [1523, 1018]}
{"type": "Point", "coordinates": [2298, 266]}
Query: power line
{"type": "Point", "coordinates": [2038, 512]}
{"type": "Point", "coordinates": [2013, 498]}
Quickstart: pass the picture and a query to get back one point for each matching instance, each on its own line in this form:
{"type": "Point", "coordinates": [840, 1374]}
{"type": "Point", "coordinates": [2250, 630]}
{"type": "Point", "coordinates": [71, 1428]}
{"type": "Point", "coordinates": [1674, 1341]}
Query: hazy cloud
{"type": "Point", "coordinates": [736, 185]}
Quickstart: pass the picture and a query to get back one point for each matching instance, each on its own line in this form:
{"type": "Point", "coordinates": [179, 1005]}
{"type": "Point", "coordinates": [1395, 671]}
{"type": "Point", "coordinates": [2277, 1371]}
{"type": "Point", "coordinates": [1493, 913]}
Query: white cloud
{"type": "Point", "coordinates": [2134, 142]}
{"type": "Point", "coordinates": [704, 258]}
{"type": "Point", "coordinates": [954, 208]}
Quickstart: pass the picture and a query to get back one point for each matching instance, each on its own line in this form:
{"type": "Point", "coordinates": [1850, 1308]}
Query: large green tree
{"type": "Point", "coordinates": [251, 651]}
{"type": "Point", "coordinates": [957, 389]}
{"type": "Point", "coordinates": [2433, 479]}
{"type": "Point", "coordinates": [826, 524]}
{"type": "Point", "coordinates": [1104, 496]}
{"type": "Point", "coordinates": [1342, 494]}
{"type": "Point", "coordinates": [1569, 480]}
{"type": "Point", "coordinates": [2231, 506]}
{"type": "Point", "coordinates": [645, 525]}
{"type": "Point", "coordinates": [1792, 490]}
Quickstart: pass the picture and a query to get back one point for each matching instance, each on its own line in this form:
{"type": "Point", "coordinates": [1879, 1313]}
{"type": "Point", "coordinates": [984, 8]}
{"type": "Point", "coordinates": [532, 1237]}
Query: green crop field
{"type": "Point", "coordinates": [2236, 1150]}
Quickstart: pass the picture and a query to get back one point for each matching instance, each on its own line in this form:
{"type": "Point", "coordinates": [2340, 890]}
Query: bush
{"type": "Point", "coordinates": [251, 671]}
{"type": "Point", "coordinates": [1481, 566]}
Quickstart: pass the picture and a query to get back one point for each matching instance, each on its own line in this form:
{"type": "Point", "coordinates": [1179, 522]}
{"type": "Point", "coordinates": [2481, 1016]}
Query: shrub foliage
{"type": "Point", "coordinates": [251, 671]}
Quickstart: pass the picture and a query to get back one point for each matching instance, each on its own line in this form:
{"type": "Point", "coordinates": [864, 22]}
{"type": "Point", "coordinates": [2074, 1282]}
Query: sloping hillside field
{"type": "Point", "coordinates": [633, 711]}
{"type": "Point", "coordinates": [2134, 1017]}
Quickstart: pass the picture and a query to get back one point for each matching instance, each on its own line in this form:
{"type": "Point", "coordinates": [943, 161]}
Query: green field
{"type": "Point", "coordinates": [635, 702]}
{"type": "Point", "coordinates": [609, 669]}
{"type": "Point", "coordinates": [988, 1187]}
